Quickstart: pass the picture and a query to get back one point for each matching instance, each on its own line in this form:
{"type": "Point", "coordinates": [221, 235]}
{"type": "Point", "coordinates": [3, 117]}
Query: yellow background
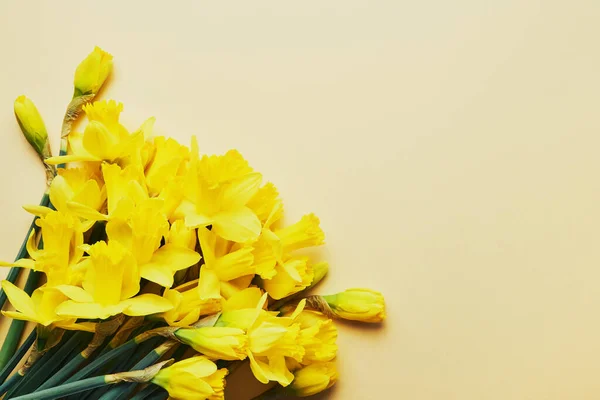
{"type": "Point", "coordinates": [449, 147]}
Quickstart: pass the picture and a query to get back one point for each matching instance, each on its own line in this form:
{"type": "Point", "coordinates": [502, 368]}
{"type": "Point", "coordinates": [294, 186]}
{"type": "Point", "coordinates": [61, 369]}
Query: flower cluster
{"type": "Point", "coordinates": [144, 226]}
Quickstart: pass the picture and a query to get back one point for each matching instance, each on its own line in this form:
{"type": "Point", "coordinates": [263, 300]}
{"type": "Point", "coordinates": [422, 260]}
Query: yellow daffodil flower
{"type": "Point", "coordinates": [193, 378]}
{"type": "Point", "coordinates": [267, 205]}
{"type": "Point", "coordinates": [32, 125]}
{"type": "Point", "coordinates": [314, 378]}
{"type": "Point", "coordinates": [104, 138]}
{"type": "Point", "coordinates": [182, 236]}
{"type": "Point", "coordinates": [142, 235]}
{"type": "Point", "coordinates": [40, 308]}
{"type": "Point", "coordinates": [188, 307]}
{"type": "Point", "coordinates": [168, 159]}
{"type": "Point", "coordinates": [291, 276]}
{"type": "Point", "coordinates": [216, 191]}
{"type": "Point", "coordinates": [92, 72]}
{"type": "Point", "coordinates": [221, 263]}
{"type": "Point", "coordinates": [112, 279]}
{"type": "Point", "coordinates": [318, 336]}
{"type": "Point", "coordinates": [219, 343]}
{"type": "Point", "coordinates": [363, 305]}
{"type": "Point", "coordinates": [63, 236]}
{"type": "Point", "coordinates": [271, 340]}
{"type": "Point", "coordinates": [274, 245]}
{"type": "Point", "coordinates": [74, 189]}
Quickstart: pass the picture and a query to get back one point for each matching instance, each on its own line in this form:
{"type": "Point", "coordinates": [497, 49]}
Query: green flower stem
{"type": "Point", "coordinates": [14, 272]}
{"type": "Point", "coordinates": [13, 337]}
{"type": "Point", "coordinates": [122, 391]}
{"type": "Point", "coordinates": [110, 355]}
{"type": "Point", "coordinates": [124, 363]}
{"type": "Point", "coordinates": [65, 390]}
{"type": "Point", "coordinates": [16, 358]}
{"type": "Point", "coordinates": [10, 383]}
{"type": "Point", "coordinates": [161, 394]}
{"type": "Point", "coordinates": [146, 392]}
{"type": "Point", "coordinates": [36, 364]}
{"type": "Point", "coordinates": [34, 379]}
{"type": "Point", "coordinates": [103, 330]}
{"type": "Point", "coordinates": [151, 389]}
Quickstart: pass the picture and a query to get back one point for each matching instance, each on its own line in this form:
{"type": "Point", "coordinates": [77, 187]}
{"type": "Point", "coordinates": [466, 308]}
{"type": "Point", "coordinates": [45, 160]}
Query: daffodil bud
{"type": "Point", "coordinates": [319, 271]}
{"type": "Point", "coordinates": [363, 305]}
{"type": "Point", "coordinates": [32, 125]}
{"type": "Point", "coordinates": [314, 378]}
{"type": "Point", "coordinates": [92, 72]}
{"type": "Point", "coordinates": [216, 342]}
{"type": "Point", "coordinates": [193, 378]}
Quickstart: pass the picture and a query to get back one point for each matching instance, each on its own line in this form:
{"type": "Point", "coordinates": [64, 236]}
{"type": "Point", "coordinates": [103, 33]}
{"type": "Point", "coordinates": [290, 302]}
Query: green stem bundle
{"type": "Point", "coordinates": [16, 358]}
{"type": "Point", "coordinates": [65, 390]}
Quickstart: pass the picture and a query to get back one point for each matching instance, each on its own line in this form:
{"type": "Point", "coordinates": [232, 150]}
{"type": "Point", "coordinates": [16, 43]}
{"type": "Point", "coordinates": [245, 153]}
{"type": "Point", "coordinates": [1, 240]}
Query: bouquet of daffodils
{"type": "Point", "coordinates": [154, 271]}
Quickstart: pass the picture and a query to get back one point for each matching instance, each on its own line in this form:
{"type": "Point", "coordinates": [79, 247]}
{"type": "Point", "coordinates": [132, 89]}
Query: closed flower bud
{"type": "Point", "coordinates": [193, 378]}
{"type": "Point", "coordinates": [92, 72]}
{"type": "Point", "coordinates": [314, 378]}
{"type": "Point", "coordinates": [363, 305]}
{"type": "Point", "coordinates": [221, 343]}
{"type": "Point", "coordinates": [319, 271]}
{"type": "Point", "coordinates": [32, 125]}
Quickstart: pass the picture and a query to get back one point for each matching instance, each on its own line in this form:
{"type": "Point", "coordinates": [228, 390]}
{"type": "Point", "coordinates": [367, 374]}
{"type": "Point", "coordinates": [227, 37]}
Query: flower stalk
{"type": "Point", "coordinates": [138, 376]}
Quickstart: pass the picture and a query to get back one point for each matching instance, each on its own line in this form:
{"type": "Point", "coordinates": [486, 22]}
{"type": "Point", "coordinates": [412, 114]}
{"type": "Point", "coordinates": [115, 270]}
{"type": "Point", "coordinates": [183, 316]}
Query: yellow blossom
{"type": "Point", "coordinates": [104, 138]}
{"type": "Point", "coordinates": [314, 378]}
{"type": "Point", "coordinates": [142, 235]}
{"type": "Point", "coordinates": [112, 279]}
{"type": "Point", "coordinates": [216, 191]}
{"type": "Point", "coordinates": [76, 188]}
{"type": "Point", "coordinates": [266, 204]}
{"type": "Point", "coordinates": [63, 236]}
{"type": "Point", "coordinates": [92, 72]}
{"type": "Point", "coordinates": [168, 158]}
{"type": "Point", "coordinates": [271, 340]}
{"type": "Point", "coordinates": [274, 245]}
{"type": "Point", "coordinates": [221, 262]}
{"type": "Point", "coordinates": [193, 378]}
{"type": "Point", "coordinates": [188, 307]}
{"type": "Point", "coordinates": [291, 276]}
{"type": "Point", "coordinates": [318, 336]}
{"type": "Point", "coordinates": [358, 305]}
{"type": "Point", "coordinates": [40, 308]}
{"type": "Point", "coordinates": [32, 125]}
{"type": "Point", "coordinates": [182, 236]}
{"type": "Point", "coordinates": [220, 343]}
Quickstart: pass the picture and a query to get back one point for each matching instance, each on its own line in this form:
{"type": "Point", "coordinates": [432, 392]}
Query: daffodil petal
{"type": "Point", "coordinates": [175, 257]}
{"type": "Point", "coordinates": [209, 286]}
{"type": "Point", "coordinates": [72, 308]}
{"type": "Point", "coordinates": [86, 212]}
{"type": "Point", "coordinates": [239, 192]}
{"type": "Point", "coordinates": [72, 326]}
{"type": "Point", "coordinates": [75, 293]}
{"type": "Point", "coordinates": [146, 304]}
{"type": "Point", "coordinates": [22, 263]}
{"type": "Point", "coordinates": [20, 316]}
{"type": "Point", "coordinates": [69, 158]}
{"type": "Point", "coordinates": [238, 225]}
{"type": "Point", "coordinates": [39, 211]}
{"type": "Point", "coordinates": [160, 274]}
{"type": "Point", "coordinates": [19, 299]}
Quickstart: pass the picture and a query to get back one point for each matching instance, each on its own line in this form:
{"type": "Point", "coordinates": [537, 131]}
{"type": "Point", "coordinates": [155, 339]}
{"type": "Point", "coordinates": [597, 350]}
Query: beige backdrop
{"type": "Point", "coordinates": [449, 147]}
